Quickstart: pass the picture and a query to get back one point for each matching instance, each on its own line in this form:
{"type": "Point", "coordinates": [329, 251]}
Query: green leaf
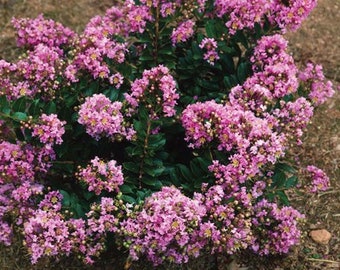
{"type": "Point", "coordinates": [51, 107]}
{"type": "Point", "coordinates": [185, 172]}
{"type": "Point", "coordinates": [19, 116]}
{"type": "Point", "coordinates": [156, 141]}
{"type": "Point", "coordinates": [19, 105]}
{"type": "Point", "coordinates": [285, 167]}
{"type": "Point", "coordinates": [241, 37]}
{"type": "Point", "coordinates": [291, 181]}
{"type": "Point", "coordinates": [126, 189]}
{"type": "Point", "coordinates": [155, 171]}
{"type": "Point", "coordinates": [152, 182]}
{"type": "Point", "coordinates": [66, 198]}
{"type": "Point", "coordinates": [78, 209]}
{"type": "Point", "coordinates": [128, 199]}
{"type": "Point", "coordinates": [243, 71]}
{"type": "Point", "coordinates": [282, 197]}
{"type": "Point", "coordinates": [279, 179]}
{"type": "Point", "coordinates": [4, 103]}
{"type": "Point", "coordinates": [210, 28]}
{"type": "Point", "coordinates": [131, 167]}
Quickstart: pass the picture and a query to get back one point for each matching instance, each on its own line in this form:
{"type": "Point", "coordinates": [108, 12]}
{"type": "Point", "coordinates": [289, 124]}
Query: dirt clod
{"type": "Point", "coordinates": [320, 236]}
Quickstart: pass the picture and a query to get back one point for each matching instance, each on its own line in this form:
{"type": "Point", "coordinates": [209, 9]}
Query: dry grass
{"type": "Point", "coordinates": [318, 40]}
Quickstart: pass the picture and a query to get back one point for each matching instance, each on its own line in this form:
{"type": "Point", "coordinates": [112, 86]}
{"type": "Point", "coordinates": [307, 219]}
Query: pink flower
{"type": "Point", "coordinates": [37, 31]}
{"type": "Point", "coordinates": [275, 230]}
{"type": "Point", "coordinates": [168, 223]}
{"type": "Point", "coordinates": [183, 32]}
{"type": "Point", "coordinates": [157, 90]}
{"type": "Point", "coordinates": [49, 130]}
{"type": "Point", "coordinates": [100, 175]}
{"type": "Point", "coordinates": [320, 181]}
{"type": "Point", "coordinates": [101, 117]}
{"type": "Point", "coordinates": [314, 80]}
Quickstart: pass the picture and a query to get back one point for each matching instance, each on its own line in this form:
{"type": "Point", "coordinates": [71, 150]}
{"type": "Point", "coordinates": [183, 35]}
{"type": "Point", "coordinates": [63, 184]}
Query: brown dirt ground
{"type": "Point", "coordinates": [318, 40]}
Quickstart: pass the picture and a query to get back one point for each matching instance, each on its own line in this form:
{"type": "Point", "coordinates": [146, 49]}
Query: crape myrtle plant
{"type": "Point", "coordinates": [160, 131]}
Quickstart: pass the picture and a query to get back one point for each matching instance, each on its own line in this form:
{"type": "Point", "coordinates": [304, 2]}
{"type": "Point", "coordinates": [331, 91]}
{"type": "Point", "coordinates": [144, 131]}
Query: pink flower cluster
{"type": "Point", "coordinates": [320, 181]}
{"type": "Point", "coordinates": [35, 74]}
{"type": "Point", "coordinates": [210, 45]}
{"type": "Point", "coordinates": [251, 139]}
{"type": "Point", "coordinates": [48, 233]}
{"type": "Point", "coordinates": [205, 122]}
{"type": "Point", "coordinates": [156, 90]}
{"type": "Point", "coordinates": [229, 217]}
{"type": "Point", "coordinates": [290, 14]}
{"type": "Point", "coordinates": [92, 49]}
{"type": "Point", "coordinates": [49, 130]}
{"type": "Point", "coordinates": [21, 166]}
{"type": "Point", "coordinates": [273, 67]}
{"type": "Point", "coordinates": [123, 19]}
{"type": "Point", "coordinates": [243, 14]}
{"type": "Point", "coordinates": [167, 228]}
{"type": "Point", "coordinates": [138, 16]}
{"type": "Point", "coordinates": [293, 117]}
{"type": "Point", "coordinates": [101, 117]}
{"type": "Point", "coordinates": [16, 163]}
{"type": "Point", "coordinates": [314, 80]}
{"type": "Point", "coordinates": [101, 175]}
{"type": "Point", "coordinates": [183, 32]}
{"type": "Point", "coordinates": [275, 229]}
{"type": "Point", "coordinates": [32, 32]}
{"type": "Point", "coordinates": [16, 204]}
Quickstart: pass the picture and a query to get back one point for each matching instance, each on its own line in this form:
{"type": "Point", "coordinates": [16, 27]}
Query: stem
{"type": "Point", "coordinates": [145, 152]}
{"type": "Point", "coordinates": [62, 162]}
{"type": "Point", "coordinates": [321, 260]}
{"type": "Point", "coordinates": [156, 36]}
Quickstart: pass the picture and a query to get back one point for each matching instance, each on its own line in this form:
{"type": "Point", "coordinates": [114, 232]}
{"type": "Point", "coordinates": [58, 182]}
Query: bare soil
{"type": "Point", "coordinates": [318, 40]}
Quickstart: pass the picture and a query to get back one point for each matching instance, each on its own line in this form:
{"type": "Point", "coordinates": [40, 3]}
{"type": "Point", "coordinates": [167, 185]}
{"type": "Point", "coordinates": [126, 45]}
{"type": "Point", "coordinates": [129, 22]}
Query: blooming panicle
{"type": "Point", "coordinates": [314, 80]}
{"type": "Point", "coordinates": [290, 14]}
{"type": "Point", "coordinates": [166, 229]}
{"type": "Point", "coordinates": [137, 17]}
{"type": "Point", "coordinates": [183, 32]}
{"type": "Point", "coordinates": [16, 163]}
{"type": "Point", "coordinates": [16, 204]}
{"type": "Point", "coordinates": [229, 214]}
{"type": "Point", "coordinates": [49, 233]}
{"type": "Point", "coordinates": [275, 229]}
{"type": "Point", "coordinates": [156, 90]}
{"type": "Point", "coordinates": [101, 175]}
{"type": "Point", "coordinates": [210, 47]}
{"type": "Point", "coordinates": [270, 50]}
{"type": "Point", "coordinates": [293, 117]}
{"type": "Point", "coordinates": [255, 98]}
{"type": "Point", "coordinates": [97, 44]}
{"type": "Point", "coordinates": [252, 139]}
{"type": "Point", "coordinates": [51, 201]}
{"type": "Point", "coordinates": [37, 73]}
{"type": "Point", "coordinates": [273, 67]}
{"type": "Point", "coordinates": [33, 32]}
{"type": "Point", "coordinates": [241, 13]}
{"type": "Point", "coordinates": [202, 123]}
{"type": "Point", "coordinates": [46, 234]}
{"type": "Point", "coordinates": [103, 118]}
{"type": "Point", "coordinates": [49, 130]}
{"type": "Point", "coordinates": [320, 181]}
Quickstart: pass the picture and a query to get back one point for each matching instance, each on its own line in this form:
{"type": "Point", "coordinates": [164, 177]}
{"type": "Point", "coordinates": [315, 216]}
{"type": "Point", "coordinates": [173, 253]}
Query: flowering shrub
{"type": "Point", "coordinates": [161, 130]}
